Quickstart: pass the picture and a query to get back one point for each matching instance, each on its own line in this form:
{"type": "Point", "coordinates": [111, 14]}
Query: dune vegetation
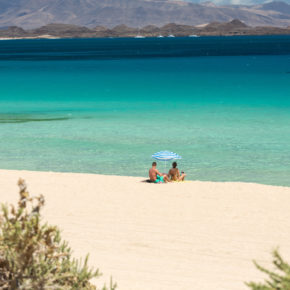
{"type": "Point", "coordinates": [277, 279]}
{"type": "Point", "coordinates": [32, 253]}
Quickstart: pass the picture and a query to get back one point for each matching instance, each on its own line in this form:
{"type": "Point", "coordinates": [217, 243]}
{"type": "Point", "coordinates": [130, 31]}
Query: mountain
{"type": "Point", "coordinates": [277, 6]}
{"type": "Point", "coordinates": [30, 14]}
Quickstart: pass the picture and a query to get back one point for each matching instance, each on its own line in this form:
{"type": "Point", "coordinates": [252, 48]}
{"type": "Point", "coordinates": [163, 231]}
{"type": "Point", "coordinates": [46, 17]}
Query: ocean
{"type": "Point", "coordinates": [106, 105]}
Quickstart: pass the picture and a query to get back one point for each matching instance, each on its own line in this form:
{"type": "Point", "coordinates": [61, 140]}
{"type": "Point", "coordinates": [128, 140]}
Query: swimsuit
{"type": "Point", "coordinates": [159, 179]}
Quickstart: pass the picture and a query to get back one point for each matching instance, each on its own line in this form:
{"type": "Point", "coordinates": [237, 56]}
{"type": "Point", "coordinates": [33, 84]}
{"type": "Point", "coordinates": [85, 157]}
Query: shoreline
{"type": "Point", "coordinates": [145, 37]}
{"type": "Point", "coordinates": [132, 37]}
{"type": "Point", "coordinates": [140, 178]}
{"type": "Point", "coordinates": [31, 37]}
{"type": "Point", "coordinates": [151, 236]}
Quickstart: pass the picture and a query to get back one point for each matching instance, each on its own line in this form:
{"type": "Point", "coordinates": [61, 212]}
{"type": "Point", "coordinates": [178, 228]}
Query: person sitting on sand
{"type": "Point", "coordinates": [155, 176]}
{"type": "Point", "coordinates": [174, 173]}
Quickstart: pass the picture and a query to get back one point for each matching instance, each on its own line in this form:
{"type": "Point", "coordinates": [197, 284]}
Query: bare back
{"type": "Point", "coordinates": [174, 174]}
{"type": "Point", "coordinates": [153, 174]}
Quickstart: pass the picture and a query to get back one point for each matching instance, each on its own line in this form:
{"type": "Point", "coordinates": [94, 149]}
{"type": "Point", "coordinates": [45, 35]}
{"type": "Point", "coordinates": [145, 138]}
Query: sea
{"type": "Point", "coordinates": [106, 105]}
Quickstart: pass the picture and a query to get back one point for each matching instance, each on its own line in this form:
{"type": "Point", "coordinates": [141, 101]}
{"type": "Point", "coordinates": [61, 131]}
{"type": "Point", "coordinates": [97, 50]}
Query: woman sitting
{"type": "Point", "coordinates": [174, 173]}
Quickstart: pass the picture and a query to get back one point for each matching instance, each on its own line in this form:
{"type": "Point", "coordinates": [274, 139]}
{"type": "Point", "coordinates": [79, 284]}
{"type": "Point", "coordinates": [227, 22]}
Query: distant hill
{"type": "Point", "coordinates": [30, 14]}
{"type": "Point", "coordinates": [234, 27]}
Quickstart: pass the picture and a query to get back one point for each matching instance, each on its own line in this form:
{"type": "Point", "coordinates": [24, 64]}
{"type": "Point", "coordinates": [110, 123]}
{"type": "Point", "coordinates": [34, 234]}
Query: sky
{"type": "Point", "coordinates": [237, 2]}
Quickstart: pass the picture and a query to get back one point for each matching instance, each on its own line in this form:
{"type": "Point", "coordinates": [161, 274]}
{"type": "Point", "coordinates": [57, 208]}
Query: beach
{"type": "Point", "coordinates": [30, 37]}
{"type": "Point", "coordinates": [191, 235]}
{"type": "Point", "coordinates": [79, 114]}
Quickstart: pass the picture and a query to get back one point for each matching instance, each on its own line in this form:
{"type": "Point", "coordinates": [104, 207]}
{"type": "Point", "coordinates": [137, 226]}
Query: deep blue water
{"type": "Point", "coordinates": [105, 105]}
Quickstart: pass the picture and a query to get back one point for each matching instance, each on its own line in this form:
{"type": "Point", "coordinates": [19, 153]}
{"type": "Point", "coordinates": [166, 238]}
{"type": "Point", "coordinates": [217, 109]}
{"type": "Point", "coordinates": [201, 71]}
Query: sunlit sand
{"type": "Point", "coordinates": [191, 235]}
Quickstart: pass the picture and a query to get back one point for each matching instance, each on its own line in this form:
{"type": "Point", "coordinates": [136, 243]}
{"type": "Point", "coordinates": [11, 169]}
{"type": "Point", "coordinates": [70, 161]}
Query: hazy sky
{"type": "Point", "coordinates": [245, 2]}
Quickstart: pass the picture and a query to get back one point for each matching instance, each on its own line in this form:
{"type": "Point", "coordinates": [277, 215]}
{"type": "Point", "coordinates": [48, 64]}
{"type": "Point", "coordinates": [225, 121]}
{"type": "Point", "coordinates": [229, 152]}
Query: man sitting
{"type": "Point", "coordinates": [155, 176]}
{"type": "Point", "coordinates": [174, 173]}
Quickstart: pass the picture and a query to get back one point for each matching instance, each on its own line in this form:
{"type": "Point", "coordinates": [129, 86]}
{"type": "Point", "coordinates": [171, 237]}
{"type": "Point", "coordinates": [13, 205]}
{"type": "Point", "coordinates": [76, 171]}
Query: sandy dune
{"type": "Point", "coordinates": [192, 235]}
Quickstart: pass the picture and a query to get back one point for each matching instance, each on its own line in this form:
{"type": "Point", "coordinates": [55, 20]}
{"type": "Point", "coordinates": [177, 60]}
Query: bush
{"type": "Point", "coordinates": [32, 255]}
{"type": "Point", "coordinates": [278, 280]}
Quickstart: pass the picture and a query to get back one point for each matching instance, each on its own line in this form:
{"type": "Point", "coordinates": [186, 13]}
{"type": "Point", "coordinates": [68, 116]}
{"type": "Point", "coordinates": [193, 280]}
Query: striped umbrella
{"type": "Point", "coordinates": [165, 156]}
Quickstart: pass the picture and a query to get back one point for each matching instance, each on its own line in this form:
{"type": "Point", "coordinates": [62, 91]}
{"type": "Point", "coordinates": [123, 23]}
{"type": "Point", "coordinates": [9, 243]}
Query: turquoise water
{"type": "Point", "coordinates": [104, 106]}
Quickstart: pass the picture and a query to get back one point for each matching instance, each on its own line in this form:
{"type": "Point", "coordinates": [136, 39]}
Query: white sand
{"type": "Point", "coordinates": [45, 36]}
{"type": "Point", "coordinates": [192, 235]}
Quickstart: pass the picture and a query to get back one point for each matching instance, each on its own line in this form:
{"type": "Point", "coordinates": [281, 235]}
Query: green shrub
{"type": "Point", "coordinates": [32, 254]}
{"type": "Point", "coordinates": [278, 280]}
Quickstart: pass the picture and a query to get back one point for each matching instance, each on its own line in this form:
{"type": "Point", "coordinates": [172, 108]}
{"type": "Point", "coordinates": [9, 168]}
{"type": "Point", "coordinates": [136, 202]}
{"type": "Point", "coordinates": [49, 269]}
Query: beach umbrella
{"type": "Point", "coordinates": [165, 156]}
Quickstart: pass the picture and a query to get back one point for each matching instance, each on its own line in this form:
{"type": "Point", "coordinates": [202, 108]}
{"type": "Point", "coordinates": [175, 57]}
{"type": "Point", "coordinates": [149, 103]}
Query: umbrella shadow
{"type": "Point", "coordinates": [147, 181]}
